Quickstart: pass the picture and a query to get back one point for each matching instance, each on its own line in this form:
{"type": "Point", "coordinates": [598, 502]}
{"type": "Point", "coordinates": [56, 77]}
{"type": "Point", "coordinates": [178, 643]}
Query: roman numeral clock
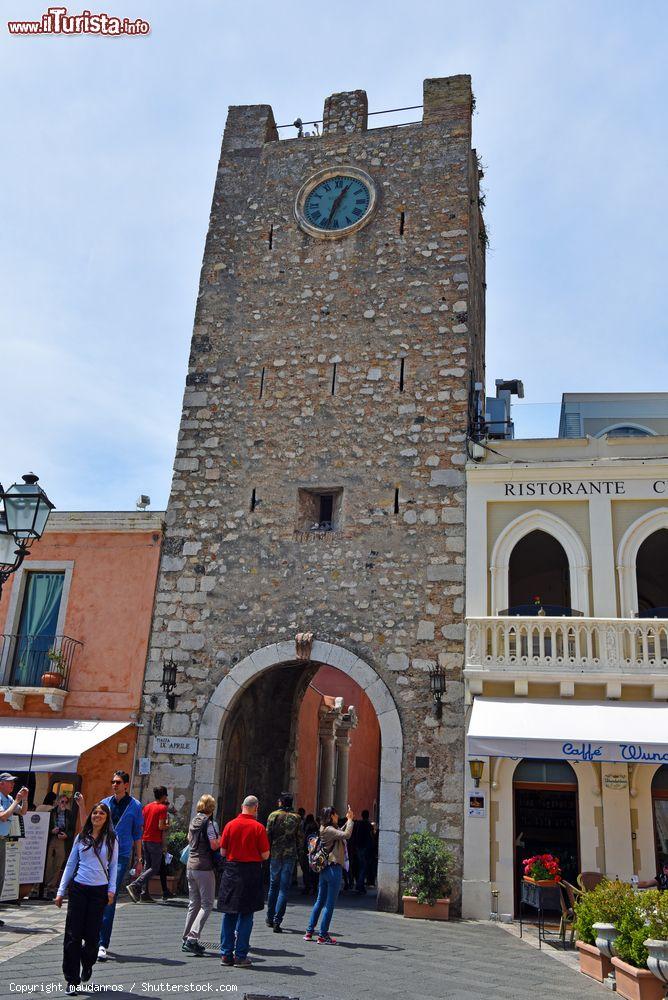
{"type": "Point", "coordinates": [336, 202]}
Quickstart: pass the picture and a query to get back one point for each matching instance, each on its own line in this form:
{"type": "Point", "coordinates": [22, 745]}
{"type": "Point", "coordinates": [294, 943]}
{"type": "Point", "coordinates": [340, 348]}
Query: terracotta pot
{"type": "Point", "coordinates": [423, 911]}
{"type": "Point", "coordinates": [51, 680]}
{"type": "Point", "coordinates": [592, 962]}
{"type": "Point", "coordinates": [540, 881]}
{"type": "Point", "coordinates": [636, 984]}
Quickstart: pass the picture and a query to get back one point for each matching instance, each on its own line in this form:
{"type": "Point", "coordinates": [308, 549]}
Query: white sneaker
{"type": "Point", "coordinates": [102, 954]}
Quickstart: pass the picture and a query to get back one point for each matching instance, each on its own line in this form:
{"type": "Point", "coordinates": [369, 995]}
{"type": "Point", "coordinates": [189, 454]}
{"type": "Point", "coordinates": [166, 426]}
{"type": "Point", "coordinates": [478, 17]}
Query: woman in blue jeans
{"type": "Point", "coordinates": [332, 840]}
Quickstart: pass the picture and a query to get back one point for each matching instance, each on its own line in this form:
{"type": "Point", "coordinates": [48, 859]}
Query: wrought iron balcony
{"type": "Point", "coordinates": [606, 645]}
{"type": "Point", "coordinates": [37, 661]}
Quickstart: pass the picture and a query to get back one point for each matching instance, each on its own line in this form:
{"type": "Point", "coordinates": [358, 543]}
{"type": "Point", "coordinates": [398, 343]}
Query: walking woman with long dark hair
{"type": "Point", "coordinates": [90, 873]}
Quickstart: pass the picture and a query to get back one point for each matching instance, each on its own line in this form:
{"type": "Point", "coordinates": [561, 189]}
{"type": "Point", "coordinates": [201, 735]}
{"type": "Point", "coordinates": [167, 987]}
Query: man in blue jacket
{"type": "Point", "coordinates": [126, 815]}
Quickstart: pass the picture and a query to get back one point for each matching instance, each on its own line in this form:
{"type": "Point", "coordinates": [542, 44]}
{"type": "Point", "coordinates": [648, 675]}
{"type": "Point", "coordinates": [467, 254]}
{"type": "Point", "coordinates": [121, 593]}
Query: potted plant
{"type": "Point", "coordinates": [654, 906]}
{"type": "Point", "coordinates": [427, 867]}
{"type": "Point", "coordinates": [596, 913]}
{"type": "Point", "coordinates": [634, 979]}
{"type": "Point", "coordinates": [542, 869]}
{"type": "Point", "coordinates": [54, 676]}
{"type": "Point", "coordinates": [177, 838]}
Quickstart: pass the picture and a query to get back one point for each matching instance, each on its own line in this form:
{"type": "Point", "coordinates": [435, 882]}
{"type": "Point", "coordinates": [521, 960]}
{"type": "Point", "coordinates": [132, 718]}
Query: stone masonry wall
{"type": "Point", "coordinates": [281, 318]}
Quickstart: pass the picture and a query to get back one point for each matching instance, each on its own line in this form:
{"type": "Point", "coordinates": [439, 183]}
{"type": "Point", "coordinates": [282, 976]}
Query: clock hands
{"type": "Point", "coordinates": [337, 201]}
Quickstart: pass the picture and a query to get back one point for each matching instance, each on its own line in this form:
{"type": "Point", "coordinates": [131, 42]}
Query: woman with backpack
{"type": "Point", "coordinates": [90, 873]}
{"type": "Point", "coordinates": [204, 844]}
{"type": "Point", "coordinates": [330, 854]}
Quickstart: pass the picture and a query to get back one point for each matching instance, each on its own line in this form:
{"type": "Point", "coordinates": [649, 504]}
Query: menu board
{"type": "Point", "coordinates": [33, 847]}
{"type": "Point", "coordinates": [10, 890]}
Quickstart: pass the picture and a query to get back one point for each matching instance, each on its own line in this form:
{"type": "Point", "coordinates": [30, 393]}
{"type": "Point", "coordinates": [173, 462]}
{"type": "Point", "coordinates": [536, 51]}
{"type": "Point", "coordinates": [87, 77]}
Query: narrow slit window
{"type": "Point", "coordinates": [402, 222]}
{"type": "Point", "coordinates": [334, 378]}
{"type": "Point", "coordinates": [253, 503]}
{"type": "Point", "coordinates": [262, 383]}
{"type": "Point", "coordinates": [271, 237]}
{"type": "Point", "coordinates": [402, 372]}
{"type": "Point", "coordinates": [396, 500]}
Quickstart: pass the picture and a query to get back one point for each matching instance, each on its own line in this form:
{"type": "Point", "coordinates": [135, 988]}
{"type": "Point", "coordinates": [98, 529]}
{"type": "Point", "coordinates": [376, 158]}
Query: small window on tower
{"type": "Point", "coordinates": [319, 510]}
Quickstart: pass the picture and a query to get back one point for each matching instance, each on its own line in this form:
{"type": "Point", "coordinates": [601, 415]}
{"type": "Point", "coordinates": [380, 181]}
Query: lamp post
{"type": "Point", "coordinates": [168, 682]}
{"type": "Point", "coordinates": [26, 511]}
{"type": "Point", "coordinates": [437, 684]}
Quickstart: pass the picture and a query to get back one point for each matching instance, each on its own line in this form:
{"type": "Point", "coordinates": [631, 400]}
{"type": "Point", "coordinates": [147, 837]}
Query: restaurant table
{"type": "Point", "coordinates": [539, 898]}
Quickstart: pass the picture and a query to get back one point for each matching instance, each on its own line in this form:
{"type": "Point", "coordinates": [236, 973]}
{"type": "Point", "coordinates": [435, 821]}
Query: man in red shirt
{"type": "Point", "coordinates": [155, 823]}
{"type": "Point", "coordinates": [244, 845]}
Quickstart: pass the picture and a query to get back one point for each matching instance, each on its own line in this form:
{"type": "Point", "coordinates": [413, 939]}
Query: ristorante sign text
{"type": "Point", "coordinates": [598, 487]}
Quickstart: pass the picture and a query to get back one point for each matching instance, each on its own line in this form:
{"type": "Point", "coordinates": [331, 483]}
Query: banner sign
{"type": "Point", "coordinates": [618, 753]}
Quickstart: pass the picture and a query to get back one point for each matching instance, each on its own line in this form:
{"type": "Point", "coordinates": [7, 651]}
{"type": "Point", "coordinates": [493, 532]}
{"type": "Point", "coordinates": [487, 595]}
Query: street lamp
{"type": "Point", "coordinates": [168, 682]}
{"type": "Point", "coordinates": [476, 767]}
{"type": "Point", "coordinates": [437, 684]}
{"type": "Point", "coordinates": [26, 511]}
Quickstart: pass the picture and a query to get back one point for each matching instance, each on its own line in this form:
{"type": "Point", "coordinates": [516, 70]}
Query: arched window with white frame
{"type": "Point", "coordinates": [560, 564]}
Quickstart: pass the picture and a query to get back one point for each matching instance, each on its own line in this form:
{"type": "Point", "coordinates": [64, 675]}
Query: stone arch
{"type": "Point", "coordinates": [221, 704]}
{"type": "Point", "coordinates": [540, 520]}
{"type": "Point", "coordinates": [627, 554]}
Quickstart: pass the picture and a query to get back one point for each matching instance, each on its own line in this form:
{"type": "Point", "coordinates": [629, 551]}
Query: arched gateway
{"type": "Point", "coordinates": [219, 713]}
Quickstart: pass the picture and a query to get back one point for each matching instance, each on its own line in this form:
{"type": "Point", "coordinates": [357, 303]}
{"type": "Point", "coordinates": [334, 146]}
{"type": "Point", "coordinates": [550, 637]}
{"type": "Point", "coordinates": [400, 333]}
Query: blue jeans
{"type": "Point", "coordinates": [280, 880]}
{"type": "Point", "coordinates": [329, 887]}
{"type": "Point", "coordinates": [110, 908]}
{"type": "Point", "coordinates": [235, 934]}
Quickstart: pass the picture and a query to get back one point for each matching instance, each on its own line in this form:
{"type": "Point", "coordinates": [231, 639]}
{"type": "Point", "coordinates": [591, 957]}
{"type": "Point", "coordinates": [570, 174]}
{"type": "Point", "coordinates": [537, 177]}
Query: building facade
{"type": "Point", "coordinates": [319, 473]}
{"type": "Point", "coordinates": [566, 659]}
{"type": "Point", "coordinates": [85, 595]}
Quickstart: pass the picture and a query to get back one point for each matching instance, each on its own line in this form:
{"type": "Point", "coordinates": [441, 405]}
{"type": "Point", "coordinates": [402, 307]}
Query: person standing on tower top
{"type": "Point", "coordinates": [285, 833]}
{"type": "Point", "coordinates": [245, 846]}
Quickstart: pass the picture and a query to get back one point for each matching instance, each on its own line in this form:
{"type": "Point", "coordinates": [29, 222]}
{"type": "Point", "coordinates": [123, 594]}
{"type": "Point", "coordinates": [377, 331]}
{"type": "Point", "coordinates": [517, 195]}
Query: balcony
{"type": "Point", "coordinates": [36, 665]}
{"type": "Point", "coordinates": [562, 649]}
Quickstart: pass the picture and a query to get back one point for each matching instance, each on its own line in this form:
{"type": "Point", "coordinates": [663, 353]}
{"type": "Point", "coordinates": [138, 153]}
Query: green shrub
{"type": "Point", "coordinates": [427, 865]}
{"type": "Point", "coordinates": [653, 907]}
{"type": "Point", "coordinates": [632, 932]}
{"type": "Point", "coordinates": [177, 838]}
{"type": "Point", "coordinates": [603, 905]}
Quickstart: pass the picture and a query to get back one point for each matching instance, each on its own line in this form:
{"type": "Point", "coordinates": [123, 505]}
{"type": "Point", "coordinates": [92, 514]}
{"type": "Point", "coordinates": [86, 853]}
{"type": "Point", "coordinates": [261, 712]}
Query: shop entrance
{"type": "Point", "coordinates": [660, 810]}
{"type": "Point", "coordinates": [545, 794]}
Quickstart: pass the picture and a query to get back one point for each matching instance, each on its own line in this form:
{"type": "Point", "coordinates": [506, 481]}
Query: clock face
{"type": "Point", "coordinates": [335, 202]}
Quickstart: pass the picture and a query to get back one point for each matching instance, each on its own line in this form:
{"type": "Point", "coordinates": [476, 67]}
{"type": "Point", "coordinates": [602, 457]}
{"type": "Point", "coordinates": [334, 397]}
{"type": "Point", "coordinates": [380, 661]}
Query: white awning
{"type": "Point", "coordinates": [58, 742]}
{"type": "Point", "coordinates": [624, 731]}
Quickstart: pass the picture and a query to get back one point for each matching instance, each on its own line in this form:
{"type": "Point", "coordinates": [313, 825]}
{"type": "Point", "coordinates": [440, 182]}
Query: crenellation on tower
{"type": "Point", "coordinates": [248, 127]}
{"type": "Point", "coordinates": [346, 112]}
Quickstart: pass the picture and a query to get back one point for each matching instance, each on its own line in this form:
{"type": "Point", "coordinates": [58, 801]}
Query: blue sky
{"type": "Point", "coordinates": [109, 156]}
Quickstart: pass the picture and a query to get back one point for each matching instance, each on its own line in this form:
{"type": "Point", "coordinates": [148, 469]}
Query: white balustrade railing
{"type": "Point", "coordinates": [598, 643]}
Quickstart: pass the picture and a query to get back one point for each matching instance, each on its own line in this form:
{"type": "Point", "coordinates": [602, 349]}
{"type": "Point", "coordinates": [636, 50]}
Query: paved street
{"type": "Point", "coordinates": [380, 956]}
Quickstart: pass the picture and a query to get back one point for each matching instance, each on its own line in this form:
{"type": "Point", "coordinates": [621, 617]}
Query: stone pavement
{"type": "Point", "coordinates": [380, 956]}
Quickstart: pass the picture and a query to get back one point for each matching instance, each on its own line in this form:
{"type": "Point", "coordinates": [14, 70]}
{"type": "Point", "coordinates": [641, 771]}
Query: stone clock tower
{"type": "Point", "coordinates": [317, 506]}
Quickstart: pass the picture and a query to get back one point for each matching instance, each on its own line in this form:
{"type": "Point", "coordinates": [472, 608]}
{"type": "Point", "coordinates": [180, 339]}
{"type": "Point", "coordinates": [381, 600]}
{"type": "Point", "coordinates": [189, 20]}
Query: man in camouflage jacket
{"type": "Point", "coordinates": [284, 829]}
